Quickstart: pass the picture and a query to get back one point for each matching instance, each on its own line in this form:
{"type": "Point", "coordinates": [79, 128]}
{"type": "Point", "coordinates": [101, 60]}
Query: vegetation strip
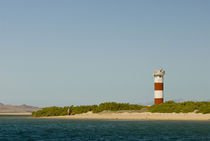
{"type": "Point", "coordinates": [167, 107]}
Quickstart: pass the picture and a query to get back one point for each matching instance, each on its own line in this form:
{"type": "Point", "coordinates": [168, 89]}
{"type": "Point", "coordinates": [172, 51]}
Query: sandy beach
{"type": "Point", "coordinates": [137, 116]}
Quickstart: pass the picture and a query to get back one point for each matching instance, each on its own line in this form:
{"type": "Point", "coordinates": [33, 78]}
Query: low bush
{"type": "Point", "coordinates": [111, 106]}
{"type": "Point", "coordinates": [167, 107]}
{"type": "Point", "coordinates": [184, 107]}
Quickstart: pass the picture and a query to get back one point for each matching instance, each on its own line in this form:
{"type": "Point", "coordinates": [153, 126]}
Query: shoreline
{"type": "Point", "coordinates": [136, 116]}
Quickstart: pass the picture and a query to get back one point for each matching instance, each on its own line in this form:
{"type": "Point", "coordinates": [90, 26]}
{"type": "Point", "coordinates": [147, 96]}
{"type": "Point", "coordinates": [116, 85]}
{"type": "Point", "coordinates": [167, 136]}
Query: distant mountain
{"type": "Point", "coordinates": [17, 109]}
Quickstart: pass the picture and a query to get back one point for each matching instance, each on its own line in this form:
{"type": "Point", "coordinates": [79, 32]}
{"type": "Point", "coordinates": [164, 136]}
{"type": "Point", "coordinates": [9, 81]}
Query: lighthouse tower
{"type": "Point", "coordinates": [158, 85]}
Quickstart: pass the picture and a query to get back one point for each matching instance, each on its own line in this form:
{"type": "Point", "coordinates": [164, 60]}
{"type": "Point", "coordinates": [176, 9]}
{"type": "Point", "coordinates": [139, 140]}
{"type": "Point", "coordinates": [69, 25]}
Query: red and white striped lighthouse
{"type": "Point", "coordinates": [158, 86]}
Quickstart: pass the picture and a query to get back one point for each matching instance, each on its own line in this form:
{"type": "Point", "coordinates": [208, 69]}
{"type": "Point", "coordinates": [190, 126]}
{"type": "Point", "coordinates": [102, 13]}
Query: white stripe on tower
{"type": "Point", "coordinates": [158, 86]}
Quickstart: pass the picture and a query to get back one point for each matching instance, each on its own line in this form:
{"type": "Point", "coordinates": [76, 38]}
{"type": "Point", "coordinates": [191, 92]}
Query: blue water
{"type": "Point", "coordinates": [21, 128]}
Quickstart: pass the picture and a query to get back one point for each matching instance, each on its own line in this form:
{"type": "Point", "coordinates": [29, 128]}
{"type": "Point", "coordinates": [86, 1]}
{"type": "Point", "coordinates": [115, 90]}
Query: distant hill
{"type": "Point", "coordinates": [17, 109]}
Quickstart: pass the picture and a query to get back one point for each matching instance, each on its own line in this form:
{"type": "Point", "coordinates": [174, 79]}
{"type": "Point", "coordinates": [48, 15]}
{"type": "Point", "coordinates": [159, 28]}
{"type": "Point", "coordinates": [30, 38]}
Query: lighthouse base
{"type": "Point", "coordinates": [158, 100]}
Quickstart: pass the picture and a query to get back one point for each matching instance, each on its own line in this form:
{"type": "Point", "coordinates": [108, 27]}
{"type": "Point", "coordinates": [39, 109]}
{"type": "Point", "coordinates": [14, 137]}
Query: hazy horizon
{"type": "Point", "coordinates": [87, 52]}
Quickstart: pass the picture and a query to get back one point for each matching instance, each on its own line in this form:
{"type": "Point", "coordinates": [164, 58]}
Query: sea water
{"type": "Point", "coordinates": [21, 128]}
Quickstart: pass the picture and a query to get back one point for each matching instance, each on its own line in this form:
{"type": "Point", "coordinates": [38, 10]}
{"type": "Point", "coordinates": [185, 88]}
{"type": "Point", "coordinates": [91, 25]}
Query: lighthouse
{"type": "Point", "coordinates": [158, 86]}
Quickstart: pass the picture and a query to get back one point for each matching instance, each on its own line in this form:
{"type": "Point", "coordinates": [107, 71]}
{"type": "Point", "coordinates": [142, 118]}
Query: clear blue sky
{"type": "Point", "coordinates": [77, 52]}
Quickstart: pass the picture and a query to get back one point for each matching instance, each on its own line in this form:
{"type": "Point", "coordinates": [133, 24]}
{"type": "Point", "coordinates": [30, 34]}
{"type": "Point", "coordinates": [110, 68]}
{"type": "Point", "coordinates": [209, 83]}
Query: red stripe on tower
{"type": "Point", "coordinates": [158, 86]}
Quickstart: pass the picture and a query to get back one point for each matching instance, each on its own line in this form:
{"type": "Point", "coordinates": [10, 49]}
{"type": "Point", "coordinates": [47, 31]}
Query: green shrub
{"type": "Point", "coordinates": [184, 107]}
{"type": "Point", "coordinates": [112, 106]}
{"type": "Point", "coordinates": [167, 107]}
{"type": "Point", "coordinates": [204, 108]}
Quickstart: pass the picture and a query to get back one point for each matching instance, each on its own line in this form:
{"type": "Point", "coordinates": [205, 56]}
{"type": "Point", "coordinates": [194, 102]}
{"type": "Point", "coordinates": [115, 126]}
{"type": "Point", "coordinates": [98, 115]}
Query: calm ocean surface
{"type": "Point", "coordinates": [21, 128]}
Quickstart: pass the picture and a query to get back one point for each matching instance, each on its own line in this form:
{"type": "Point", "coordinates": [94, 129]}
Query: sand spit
{"type": "Point", "coordinates": [137, 116]}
